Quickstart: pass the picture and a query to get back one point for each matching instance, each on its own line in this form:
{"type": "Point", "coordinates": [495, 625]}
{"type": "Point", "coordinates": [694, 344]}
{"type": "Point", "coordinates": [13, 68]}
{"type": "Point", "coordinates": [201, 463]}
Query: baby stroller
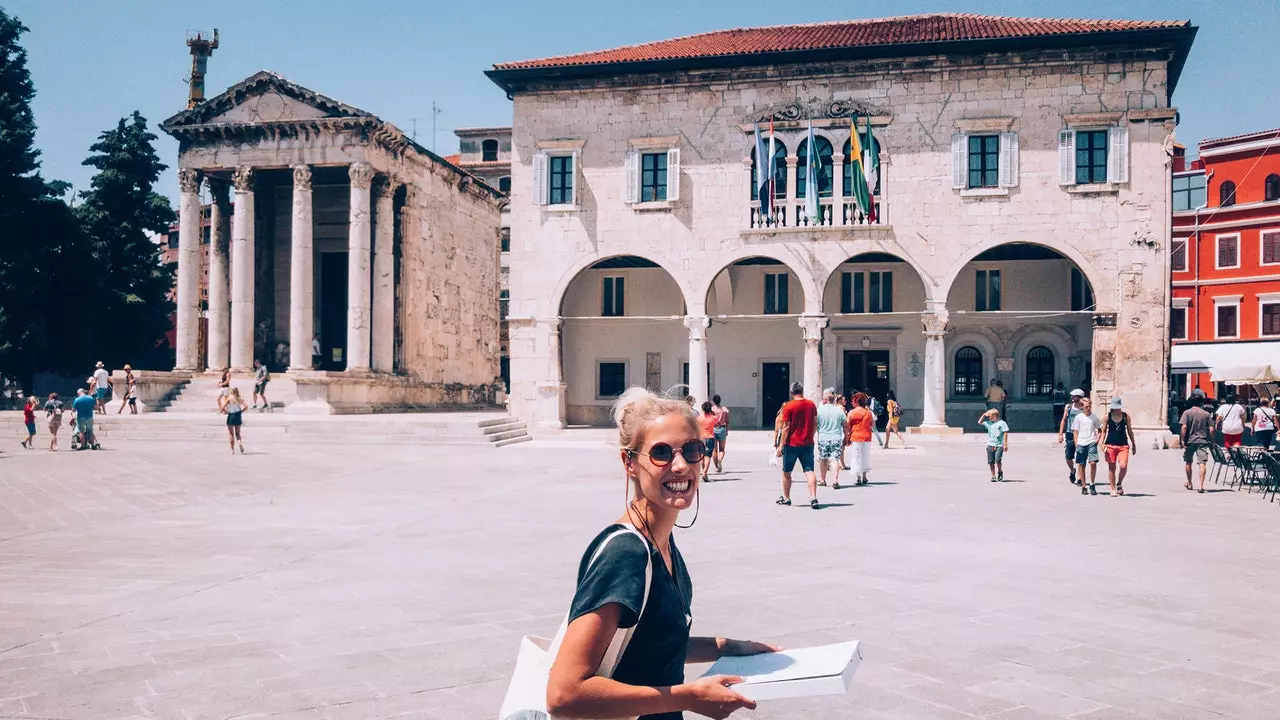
{"type": "Point", "coordinates": [79, 441]}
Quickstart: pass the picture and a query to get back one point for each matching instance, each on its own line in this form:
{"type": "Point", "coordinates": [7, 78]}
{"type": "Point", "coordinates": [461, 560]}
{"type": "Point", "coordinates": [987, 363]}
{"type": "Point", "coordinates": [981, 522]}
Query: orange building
{"type": "Point", "coordinates": [1225, 261]}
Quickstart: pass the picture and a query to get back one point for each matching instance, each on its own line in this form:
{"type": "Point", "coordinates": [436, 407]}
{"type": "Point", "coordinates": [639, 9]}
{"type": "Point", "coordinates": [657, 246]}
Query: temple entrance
{"type": "Point", "coordinates": [333, 311]}
{"type": "Point", "coordinates": [775, 389]}
{"type": "Point", "coordinates": [867, 371]}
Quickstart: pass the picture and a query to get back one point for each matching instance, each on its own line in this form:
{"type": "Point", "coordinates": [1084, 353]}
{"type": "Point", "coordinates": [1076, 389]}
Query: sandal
{"type": "Point", "coordinates": [1120, 489]}
{"type": "Point", "coordinates": [782, 501]}
{"type": "Point", "coordinates": [813, 504]}
{"type": "Point", "coordinates": [1201, 490]}
{"type": "Point", "coordinates": [835, 486]}
{"type": "Point", "coordinates": [1188, 486]}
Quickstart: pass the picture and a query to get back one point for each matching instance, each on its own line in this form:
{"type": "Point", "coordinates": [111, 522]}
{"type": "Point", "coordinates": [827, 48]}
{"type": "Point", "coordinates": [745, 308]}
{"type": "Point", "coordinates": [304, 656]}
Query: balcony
{"type": "Point", "coordinates": [833, 214]}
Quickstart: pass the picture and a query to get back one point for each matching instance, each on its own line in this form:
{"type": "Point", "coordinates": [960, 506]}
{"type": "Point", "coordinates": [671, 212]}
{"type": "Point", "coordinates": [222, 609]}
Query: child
{"type": "Point", "coordinates": [997, 442]}
{"type": "Point", "coordinates": [234, 409]}
{"type": "Point", "coordinates": [707, 431]}
{"type": "Point", "coordinates": [29, 419]}
{"type": "Point", "coordinates": [1086, 429]}
{"type": "Point", "coordinates": [53, 411]}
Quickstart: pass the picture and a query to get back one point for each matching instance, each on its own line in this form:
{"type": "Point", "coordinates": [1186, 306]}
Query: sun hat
{"type": "Point", "coordinates": [99, 364]}
{"type": "Point", "coordinates": [1115, 404]}
{"type": "Point", "coordinates": [1077, 393]}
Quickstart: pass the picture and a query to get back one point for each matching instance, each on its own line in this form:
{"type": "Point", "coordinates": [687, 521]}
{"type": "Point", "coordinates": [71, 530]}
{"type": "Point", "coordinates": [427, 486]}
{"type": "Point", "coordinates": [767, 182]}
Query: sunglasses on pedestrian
{"type": "Point", "coordinates": [661, 454]}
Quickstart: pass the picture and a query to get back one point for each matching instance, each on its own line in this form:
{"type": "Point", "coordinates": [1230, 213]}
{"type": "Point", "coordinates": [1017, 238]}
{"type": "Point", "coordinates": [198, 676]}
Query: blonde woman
{"type": "Point", "coordinates": [234, 410]}
{"type": "Point", "coordinates": [894, 408]}
{"type": "Point", "coordinates": [661, 451]}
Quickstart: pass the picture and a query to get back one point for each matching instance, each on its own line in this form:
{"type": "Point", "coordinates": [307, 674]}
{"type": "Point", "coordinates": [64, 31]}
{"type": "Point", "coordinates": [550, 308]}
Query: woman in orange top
{"type": "Point", "coordinates": [707, 420]}
{"type": "Point", "coordinates": [860, 424]}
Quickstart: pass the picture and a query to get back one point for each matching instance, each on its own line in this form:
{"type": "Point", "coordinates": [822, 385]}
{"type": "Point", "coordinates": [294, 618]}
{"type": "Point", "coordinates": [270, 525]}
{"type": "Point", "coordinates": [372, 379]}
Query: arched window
{"type": "Point", "coordinates": [489, 151]}
{"type": "Point", "coordinates": [822, 148]}
{"type": "Point", "coordinates": [1227, 194]}
{"type": "Point", "coordinates": [1271, 188]}
{"type": "Point", "coordinates": [1040, 371]}
{"type": "Point", "coordinates": [504, 184]}
{"type": "Point", "coordinates": [848, 171]}
{"type": "Point", "coordinates": [968, 371]}
{"type": "Point", "coordinates": [779, 170]}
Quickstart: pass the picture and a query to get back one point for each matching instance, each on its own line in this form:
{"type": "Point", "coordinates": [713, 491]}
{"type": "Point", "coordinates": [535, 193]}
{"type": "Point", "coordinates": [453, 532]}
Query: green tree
{"type": "Point", "coordinates": [122, 215]}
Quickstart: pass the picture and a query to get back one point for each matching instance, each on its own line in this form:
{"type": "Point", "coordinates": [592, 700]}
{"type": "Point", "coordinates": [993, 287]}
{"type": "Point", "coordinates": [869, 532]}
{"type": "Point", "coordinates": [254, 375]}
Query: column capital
{"type": "Point", "coordinates": [813, 325]}
{"type": "Point", "coordinates": [385, 189]}
{"type": "Point", "coordinates": [935, 323]}
{"type": "Point", "coordinates": [189, 180]}
{"type": "Point", "coordinates": [301, 177]}
{"type": "Point", "coordinates": [243, 178]}
{"type": "Point", "coordinates": [361, 175]}
{"type": "Point", "coordinates": [697, 325]}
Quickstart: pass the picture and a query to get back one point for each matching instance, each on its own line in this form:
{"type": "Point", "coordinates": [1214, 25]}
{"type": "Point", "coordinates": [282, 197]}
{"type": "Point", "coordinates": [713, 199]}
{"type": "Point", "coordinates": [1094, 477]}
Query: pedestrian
{"type": "Point", "coordinates": [831, 437]}
{"type": "Point", "coordinates": [1264, 424]}
{"type": "Point", "coordinates": [260, 379]}
{"type": "Point", "coordinates": [234, 409]}
{"type": "Point", "coordinates": [1004, 399]}
{"type": "Point", "coordinates": [102, 387]}
{"type": "Point", "coordinates": [224, 387]}
{"type": "Point", "coordinates": [894, 409]}
{"type": "Point", "coordinates": [997, 442]}
{"type": "Point", "coordinates": [53, 412]}
{"type": "Point", "coordinates": [10, 394]}
{"type": "Point", "coordinates": [1229, 418]}
{"type": "Point", "coordinates": [1086, 429]}
{"type": "Point", "coordinates": [130, 392]}
{"type": "Point", "coordinates": [995, 395]}
{"type": "Point", "coordinates": [315, 352]}
{"type": "Point", "coordinates": [1067, 436]}
{"type": "Point", "coordinates": [84, 406]}
{"type": "Point", "coordinates": [861, 423]}
{"type": "Point", "coordinates": [1117, 443]}
{"type": "Point", "coordinates": [707, 430]}
{"type": "Point", "coordinates": [29, 419]}
{"type": "Point", "coordinates": [722, 430]}
{"type": "Point", "coordinates": [843, 402]}
{"type": "Point", "coordinates": [1059, 401]}
{"type": "Point", "coordinates": [876, 411]}
{"type": "Point", "coordinates": [660, 453]}
{"type": "Point", "coordinates": [1197, 433]}
{"type": "Point", "coordinates": [797, 431]}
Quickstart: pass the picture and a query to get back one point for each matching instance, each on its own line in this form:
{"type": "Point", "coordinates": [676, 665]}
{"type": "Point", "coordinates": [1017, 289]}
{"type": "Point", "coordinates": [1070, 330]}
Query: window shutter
{"type": "Point", "coordinates": [632, 172]}
{"type": "Point", "coordinates": [576, 175]}
{"type": "Point", "coordinates": [1009, 159]}
{"type": "Point", "coordinates": [1067, 157]}
{"type": "Point", "coordinates": [540, 179]}
{"type": "Point", "coordinates": [1118, 155]}
{"type": "Point", "coordinates": [959, 162]}
{"type": "Point", "coordinates": [673, 174]}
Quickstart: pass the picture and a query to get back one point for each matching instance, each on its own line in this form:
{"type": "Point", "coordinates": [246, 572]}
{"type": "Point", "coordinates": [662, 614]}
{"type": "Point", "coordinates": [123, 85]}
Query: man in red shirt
{"type": "Point", "coordinates": [796, 435]}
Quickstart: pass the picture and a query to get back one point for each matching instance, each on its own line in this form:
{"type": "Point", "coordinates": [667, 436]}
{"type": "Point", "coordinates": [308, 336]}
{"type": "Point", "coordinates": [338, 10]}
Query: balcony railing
{"type": "Point", "coordinates": [791, 213]}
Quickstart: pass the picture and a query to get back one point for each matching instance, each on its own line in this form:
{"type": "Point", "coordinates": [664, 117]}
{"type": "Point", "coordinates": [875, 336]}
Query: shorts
{"type": "Point", "coordinates": [1117, 455]}
{"type": "Point", "coordinates": [31, 428]}
{"type": "Point", "coordinates": [100, 394]}
{"type": "Point", "coordinates": [55, 422]}
{"type": "Point", "coordinates": [830, 449]}
{"type": "Point", "coordinates": [860, 457]}
{"type": "Point", "coordinates": [721, 432]}
{"type": "Point", "coordinates": [1087, 453]}
{"type": "Point", "coordinates": [1199, 451]}
{"type": "Point", "coordinates": [709, 444]}
{"type": "Point", "coordinates": [133, 400]}
{"type": "Point", "coordinates": [84, 426]}
{"type": "Point", "coordinates": [1071, 447]}
{"type": "Point", "coordinates": [234, 419]}
{"type": "Point", "coordinates": [259, 388]}
{"type": "Point", "coordinates": [995, 454]}
{"type": "Point", "coordinates": [803, 453]}
{"type": "Point", "coordinates": [1232, 440]}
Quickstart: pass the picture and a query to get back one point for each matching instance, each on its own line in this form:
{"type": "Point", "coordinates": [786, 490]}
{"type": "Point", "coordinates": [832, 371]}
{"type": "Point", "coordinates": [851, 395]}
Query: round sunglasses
{"type": "Point", "coordinates": [661, 454]}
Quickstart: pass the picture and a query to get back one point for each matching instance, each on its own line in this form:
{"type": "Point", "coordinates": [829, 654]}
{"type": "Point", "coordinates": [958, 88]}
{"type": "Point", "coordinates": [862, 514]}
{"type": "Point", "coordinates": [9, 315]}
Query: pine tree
{"type": "Point", "coordinates": [122, 214]}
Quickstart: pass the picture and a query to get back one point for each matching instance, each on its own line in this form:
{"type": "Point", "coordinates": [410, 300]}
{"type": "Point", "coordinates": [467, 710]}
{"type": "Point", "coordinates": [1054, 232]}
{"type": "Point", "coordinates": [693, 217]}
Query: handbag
{"type": "Point", "coordinates": [526, 697]}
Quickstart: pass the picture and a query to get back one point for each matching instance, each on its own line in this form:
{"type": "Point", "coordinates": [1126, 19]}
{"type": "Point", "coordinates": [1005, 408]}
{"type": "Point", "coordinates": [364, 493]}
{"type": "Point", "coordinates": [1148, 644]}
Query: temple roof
{"type": "Point", "coordinates": [261, 83]}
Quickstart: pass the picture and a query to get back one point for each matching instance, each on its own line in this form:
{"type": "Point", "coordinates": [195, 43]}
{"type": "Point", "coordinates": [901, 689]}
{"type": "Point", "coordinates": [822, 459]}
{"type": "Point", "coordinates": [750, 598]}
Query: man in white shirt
{"type": "Point", "coordinates": [1085, 429]}
{"type": "Point", "coordinates": [102, 385]}
{"type": "Point", "coordinates": [1230, 420]}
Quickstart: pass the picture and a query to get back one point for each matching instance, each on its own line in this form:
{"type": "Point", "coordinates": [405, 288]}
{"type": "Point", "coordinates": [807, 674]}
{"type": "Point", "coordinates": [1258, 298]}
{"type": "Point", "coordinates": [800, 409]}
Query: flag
{"type": "Point", "coordinates": [871, 168]}
{"type": "Point", "coordinates": [811, 208]}
{"type": "Point", "coordinates": [857, 174]}
{"type": "Point", "coordinates": [773, 171]}
{"type": "Point", "coordinates": [764, 173]}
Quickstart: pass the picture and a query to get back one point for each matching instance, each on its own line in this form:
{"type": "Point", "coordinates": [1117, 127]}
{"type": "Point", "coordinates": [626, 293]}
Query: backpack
{"type": "Point", "coordinates": [897, 410]}
{"type": "Point", "coordinates": [876, 407]}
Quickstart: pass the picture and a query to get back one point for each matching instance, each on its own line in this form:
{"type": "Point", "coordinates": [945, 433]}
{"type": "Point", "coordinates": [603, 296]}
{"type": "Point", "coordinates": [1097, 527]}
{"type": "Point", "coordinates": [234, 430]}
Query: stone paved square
{"type": "Point", "coordinates": [172, 580]}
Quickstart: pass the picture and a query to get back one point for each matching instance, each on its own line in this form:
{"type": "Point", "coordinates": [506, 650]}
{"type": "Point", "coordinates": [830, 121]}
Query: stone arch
{"type": "Point", "coordinates": [830, 275]}
{"type": "Point", "coordinates": [812, 294]}
{"type": "Point", "coordinates": [943, 288]}
{"type": "Point", "coordinates": [587, 262]}
{"type": "Point", "coordinates": [1053, 337]}
{"type": "Point", "coordinates": [985, 342]}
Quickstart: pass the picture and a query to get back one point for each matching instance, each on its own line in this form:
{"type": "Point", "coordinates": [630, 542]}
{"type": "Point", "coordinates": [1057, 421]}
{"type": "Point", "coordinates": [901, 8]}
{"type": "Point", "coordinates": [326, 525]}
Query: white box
{"type": "Point", "coordinates": [806, 672]}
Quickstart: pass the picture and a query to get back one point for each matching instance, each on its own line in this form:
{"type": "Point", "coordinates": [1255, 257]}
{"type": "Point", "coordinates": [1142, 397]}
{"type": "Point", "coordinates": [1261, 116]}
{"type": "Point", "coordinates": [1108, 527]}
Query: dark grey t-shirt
{"type": "Point", "coordinates": [656, 654]}
{"type": "Point", "coordinates": [1198, 423]}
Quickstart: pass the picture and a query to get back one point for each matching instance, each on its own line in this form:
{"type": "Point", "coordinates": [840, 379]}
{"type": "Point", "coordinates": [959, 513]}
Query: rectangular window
{"type": "Point", "coordinates": [684, 375]}
{"type": "Point", "coordinates": [846, 292]}
{"type": "Point", "coordinates": [560, 189]}
{"type": "Point", "coordinates": [1091, 157]}
{"type": "Point", "coordinates": [984, 161]}
{"type": "Point", "coordinates": [881, 292]}
{"type": "Point", "coordinates": [775, 294]}
{"type": "Point", "coordinates": [859, 292]}
{"type": "Point", "coordinates": [1081, 293]}
{"type": "Point", "coordinates": [1270, 318]}
{"type": "Point", "coordinates": [1228, 321]}
{"type": "Point", "coordinates": [1189, 192]}
{"type": "Point", "coordinates": [653, 177]}
{"type": "Point", "coordinates": [612, 297]}
{"type": "Point", "coordinates": [1178, 323]}
{"type": "Point", "coordinates": [611, 380]}
{"type": "Point", "coordinates": [1178, 256]}
{"type": "Point", "coordinates": [504, 239]}
{"type": "Point", "coordinates": [1270, 247]}
{"type": "Point", "coordinates": [1228, 251]}
{"type": "Point", "coordinates": [987, 298]}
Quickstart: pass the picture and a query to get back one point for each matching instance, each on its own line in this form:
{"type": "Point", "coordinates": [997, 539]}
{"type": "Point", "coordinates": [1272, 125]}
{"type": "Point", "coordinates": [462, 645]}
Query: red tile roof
{"type": "Point", "coordinates": [453, 159]}
{"type": "Point", "coordinates": [1256, 135]}
{"type": "Point", "coordinates": [933, 28]}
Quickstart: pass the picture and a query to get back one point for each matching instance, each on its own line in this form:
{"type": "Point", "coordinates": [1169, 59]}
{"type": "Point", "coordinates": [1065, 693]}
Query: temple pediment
{"type": "Point", "coordinates": [264, 97]}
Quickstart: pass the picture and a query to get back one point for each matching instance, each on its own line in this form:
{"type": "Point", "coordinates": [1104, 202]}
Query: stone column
{"type": "Point", "coordinates": [935, 369]}
{"type": "Point", "coordinates": [242, 272]}
{"type": "Point", "coordinates": [837, 189]}
{"type": "Point", "coordinates": [358, 250]}
{"type": "Point", "coordinates": [549, 411]}
{"type": "Point", "coordinates": [219, 277]}
{"type": "Point", "coordinates": [301, 273]}
{"type": "Point", "coordinates": [698, 357]}
{"type": "Point", "coordinates": [384, 269]}
{"type": "Point", "coordinates": [187, 330]}
{"type": "Point", "coordinates": [812, 325]}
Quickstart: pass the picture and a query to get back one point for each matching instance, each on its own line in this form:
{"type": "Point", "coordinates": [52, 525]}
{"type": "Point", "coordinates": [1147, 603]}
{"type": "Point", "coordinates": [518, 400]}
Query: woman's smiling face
{"type": "Point", "coordinates": [671, 487]}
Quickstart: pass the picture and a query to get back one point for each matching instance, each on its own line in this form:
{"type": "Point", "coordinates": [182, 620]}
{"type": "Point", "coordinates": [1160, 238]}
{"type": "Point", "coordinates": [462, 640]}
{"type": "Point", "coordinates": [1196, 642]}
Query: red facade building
{"type": "Point", "coordinates": [1225, 262]}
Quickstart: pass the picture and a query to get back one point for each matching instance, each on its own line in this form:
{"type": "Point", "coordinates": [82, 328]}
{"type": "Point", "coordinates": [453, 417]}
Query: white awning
{"type": "Point", "coordinates": [1250, 375]}
{"type": "Point", "coordinates": [1215, 357]}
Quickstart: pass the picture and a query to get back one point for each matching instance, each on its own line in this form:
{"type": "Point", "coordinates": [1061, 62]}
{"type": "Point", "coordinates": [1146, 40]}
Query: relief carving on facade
{"type": "Point", "coordinates": [361, 175]}
{"type": "Point", "coordinates": [189, 180]}
{"type": "Point", "coordinates": [302, 177]}
{"type": "Point", "coordinates": [814, 109]}
{"type": "Point", "coordinates": [243, 178]}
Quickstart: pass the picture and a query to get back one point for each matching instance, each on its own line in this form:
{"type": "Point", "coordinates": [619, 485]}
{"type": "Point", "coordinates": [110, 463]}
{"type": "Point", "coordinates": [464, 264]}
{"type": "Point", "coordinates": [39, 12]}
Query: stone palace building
{"type": "Point", "coordinates": [1020, 227]}
{"type": "Point", "coordinates": [343, 231]}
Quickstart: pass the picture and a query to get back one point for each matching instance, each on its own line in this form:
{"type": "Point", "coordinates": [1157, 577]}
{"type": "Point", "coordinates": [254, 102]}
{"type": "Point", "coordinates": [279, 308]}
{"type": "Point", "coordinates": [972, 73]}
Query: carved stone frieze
{"type": "Point", "coordinates": [361, 175]}
{"type": "Point", "coordinates": [814, 109]}
{"type": "Point", "coordinates": [189, 180]}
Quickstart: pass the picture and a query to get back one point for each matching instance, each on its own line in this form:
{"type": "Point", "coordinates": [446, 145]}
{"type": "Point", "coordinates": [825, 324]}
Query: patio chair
{"type": "Point", "coordinates": [1220, 461]}
{"type": "Point", "coordinates": [1272, 466]}
{"type": "Point", "coordinates": [1252, 471]}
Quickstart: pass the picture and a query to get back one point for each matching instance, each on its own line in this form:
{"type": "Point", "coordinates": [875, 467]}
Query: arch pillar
{"type": "Point", "coordinates": [549, 403]}
{"type": "Point", "coordinates": [698, 325]}
{"type": "Point", "coordinates": [813, 325]}
{"type": "Point", "coordinates": [935, 370]}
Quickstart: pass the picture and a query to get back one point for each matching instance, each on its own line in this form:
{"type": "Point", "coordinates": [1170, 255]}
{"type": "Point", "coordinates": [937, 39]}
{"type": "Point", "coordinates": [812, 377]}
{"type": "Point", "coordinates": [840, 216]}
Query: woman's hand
{"type": "Point", "coordinates": [712, 696]}
{"type": "Point", "coordinates": [745, 647]}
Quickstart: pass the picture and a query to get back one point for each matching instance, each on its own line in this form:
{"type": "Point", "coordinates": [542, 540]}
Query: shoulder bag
{"type": "Point", "coordinates": [526, 697]}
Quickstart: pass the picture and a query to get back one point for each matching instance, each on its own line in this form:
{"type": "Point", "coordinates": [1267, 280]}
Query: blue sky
{"type": "Point", "coordinates": [95, 61]}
